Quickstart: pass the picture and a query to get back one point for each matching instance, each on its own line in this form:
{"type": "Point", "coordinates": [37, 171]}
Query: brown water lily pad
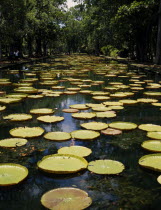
{"type": "Point", "coordinates": [111, 131]}
{"type": "Point", "coordinates": [66, 199]}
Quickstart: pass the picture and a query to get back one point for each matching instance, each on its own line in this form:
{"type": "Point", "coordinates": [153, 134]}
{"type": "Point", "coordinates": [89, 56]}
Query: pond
{"type": "Point", "coordinates": [134, 188]}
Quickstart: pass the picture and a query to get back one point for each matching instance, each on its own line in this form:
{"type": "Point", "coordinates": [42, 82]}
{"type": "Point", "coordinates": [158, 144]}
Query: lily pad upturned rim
{"type": "Point", "coordinates": [70, 200]}
{"type": "Point", "coordinates": [57, 136]}
{"type": "Point", "coordinates": [63, 156]}
{"type": "Point", "coordinates": [96, 166]}
{"type": "Point", "coordinates": [15, 166]}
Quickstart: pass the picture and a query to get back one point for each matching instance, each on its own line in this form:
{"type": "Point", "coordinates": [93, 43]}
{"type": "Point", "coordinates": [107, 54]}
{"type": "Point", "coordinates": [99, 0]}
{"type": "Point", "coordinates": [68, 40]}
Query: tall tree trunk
{"type": "Point", "coordinates": [158, 47]}
{"type": "Point", "coordinates": [0, 51]}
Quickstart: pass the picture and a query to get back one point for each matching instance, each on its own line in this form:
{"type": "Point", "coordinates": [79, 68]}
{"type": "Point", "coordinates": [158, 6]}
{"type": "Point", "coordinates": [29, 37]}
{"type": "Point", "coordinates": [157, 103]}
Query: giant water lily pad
{"type": "Point", "coordinates": [101, 109]}
{"type": "Point", "coordinates": [123, 125]}
{"type": "Point", "coordinates": [106, 167]}
{"type": "Point", "coordinates": [96, 126]}
{"type": "Point", "coordinates": [26, 132]}
{"type": "Point", "coordinates": [18, 117]}
{"type": "Point", "coordinates": [112, 103]}
{"type": "Point", "coordinates": [154, 135]}
{"type": "Point", "coordinates": [42, 111]}
{"type": "Point", "coordinates": [11, 174]}
{"type": "Point", "coordinates": [84, 134]}
{"type": "Point", "coordinates": [84, 115]}
{"type": "Point", "coordinates": [128, 101]}
{"type": "Point", "coordinates": [57, 136]}
{"type": "Point", "coordinates": [2, 108]}
{"type": "Point", "coordinates": [147, 100]}
{"type": "Point", "coordinates": [79, 106]}
{"type": "Point", "coordinates": [159, 179]}
{"type": "Point", "coordinates": [108, 114]}
{"type": "Point", "coordinates": [66, 199]}
{"type": "Point", "coordinates": [152, 145]}
{"type": "Point", "coordinates": [150, 127]}
{"type": "Point", "coordinates": [50, 119]}
{"type": "Point", "coordinates": [5, 100]}
{"type": "Point", "coordinates": [13, 142]}
{"type": "Point", "coordinates": [75, 150]}
{"type": "Point", "coordinates": [70, 110]}
{"type": "Point", "coordinates": [62, 163]}
{"type": "Point", "coordinates": [151, 161]}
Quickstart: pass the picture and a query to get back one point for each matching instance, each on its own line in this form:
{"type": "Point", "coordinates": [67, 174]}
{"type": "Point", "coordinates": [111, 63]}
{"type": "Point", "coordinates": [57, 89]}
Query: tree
{"type": "Point", "coordinates": [158, 47]}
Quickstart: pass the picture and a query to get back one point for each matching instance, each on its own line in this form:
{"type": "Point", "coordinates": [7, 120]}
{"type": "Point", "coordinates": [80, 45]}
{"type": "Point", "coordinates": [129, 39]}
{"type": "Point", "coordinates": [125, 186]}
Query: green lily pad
{"type": "Point", "coordinates": [18, 117]}
{"type": "Point", "coordinates": [50, 119]}
{"type": "Point", "coordinates": [151, 161]}
{"type": "Point", "coordinates": [152, 145]}
{"type": "Point", "coordinates": [159, 179]}
{"type": "Point", "coordinates": [42, 111]}
{"type": "Point", "coordinates": [150, 127]}
{"type": "Point", "coordinates": [2, 108]}
{"type": "Point", "coordinates": [79, 106]}
{"type": "Point", "coordinates": [11, 174]}
{"type": "Point", "coordinates": [84, 134]}
{"type": "Point", "coordinates": [13, 142]}
{"type": "Point", "coordinates": [96, 126]}
{"type": "Point", "coordinates": [154, 135]}
{"type": "Point", "coordinates": [123, 125]}
{"type": "Point", "coordinates": [26, 132]}
{"type": "Point", "coordinates": [62, 164]}
{"type": "Point", "coordinates": [106, 167]}
{"type": "Point", "coordinates": [108, 114]}
{"type": "Point", "coordinates": [75, 150]}
{"type": "Point", "coordinates": [84, 115]}
{"type": "Point", "coordinates": [57, 136]}
{"type": "Point", "coordinates": [147, 100]}
{"type": "Point", "coordinates": [5, 100]}
{"type": "Point", "coordinates": [111, 131]}
{"type": "Point", "coordinates": [101, 109]}
{"type": "Point", "coordinates": [112, 103]}
{"type": "Point", "coordinates": [66, 199]}
{"type": "Point", "coordinates": [128, 101]}
{"type": "Point", "coordinates": [70, 110]}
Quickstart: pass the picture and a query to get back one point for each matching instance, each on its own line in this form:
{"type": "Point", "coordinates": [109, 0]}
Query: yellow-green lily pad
{"type": "Point", "coordinates": [75, 150]}
{"type": "Point", "coordinates": [154, 135]}
{"type": "Point", "coordinates": [152, 145]}
{"type": "Point", "coordinates": [18, 117]}
{"type": "Point", "coordinates": [62, 164]}
{"type": "Point", "coordinates": [79, 106]}
{"type": "Point", "coordinates": [106, 167]}
{"type": "Point", "coordinates": [57, 136]}
{"type": "Point", "coordinates": [96, 126]}
{"type": "Point", "coordinates": [151, 161]}
{"type": "Point", "coordinates": [150, 127]}
{"type": "Point", "coordinates": [42, 111]}
{"type": "Point", "coordinates": [12, 174]}
{"type": "Point", "coordinates": [26, 132]}
{"type": "Point", "coordinates": [108, 114]}
{"type": "Point", "coordinates": [2, 108]}
{"type": "Point", "coordinates": [13, 142]}
{"type": "Point", "coordinates": [123, 125]}
{"type": "Point", "coordinates": [84, 115]}
{"type": "Point", "coordinates": [50, 119]}
{"type": "Point", "coordinates": [84, 134]}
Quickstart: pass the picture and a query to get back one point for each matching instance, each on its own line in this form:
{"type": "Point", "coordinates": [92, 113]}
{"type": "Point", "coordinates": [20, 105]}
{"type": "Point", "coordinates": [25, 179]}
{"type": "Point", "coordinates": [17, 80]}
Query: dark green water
{"type": "Point", "coordinates": [135, 188]}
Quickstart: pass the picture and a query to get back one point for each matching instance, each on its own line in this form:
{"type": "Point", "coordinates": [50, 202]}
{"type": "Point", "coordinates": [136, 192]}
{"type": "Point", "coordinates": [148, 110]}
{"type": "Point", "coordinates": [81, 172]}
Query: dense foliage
{"type": "Point", "coordinates": [128, 28]}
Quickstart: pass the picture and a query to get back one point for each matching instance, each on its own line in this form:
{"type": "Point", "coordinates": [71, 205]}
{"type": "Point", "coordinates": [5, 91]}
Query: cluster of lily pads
{"type": "Point", "coordinates": [108, 101]}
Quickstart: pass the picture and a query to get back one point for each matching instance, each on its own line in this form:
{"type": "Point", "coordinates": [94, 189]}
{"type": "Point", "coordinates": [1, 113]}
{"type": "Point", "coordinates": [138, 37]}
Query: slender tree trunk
{"type": "Point", "coordinates": [0, 51]}
{"type": "Point", "coordinates": [158, 47]}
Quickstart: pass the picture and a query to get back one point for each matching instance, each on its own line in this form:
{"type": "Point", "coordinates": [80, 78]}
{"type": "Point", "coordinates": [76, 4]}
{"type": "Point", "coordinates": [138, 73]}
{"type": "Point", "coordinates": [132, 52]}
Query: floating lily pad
{"type": "Point", "coordinates": [50, 119]}
{"type": "Point", "coordinates": [18, 117]}
{"type": "Point", "coordinates": [79, 106]}
{"type": "Point", "coordinates": [108, 114]}
{"type": "Point", "coordinates": [75, 150]}
{"type": "Point", "coordinates": [152, 145]}
{"type": "Point", "coordinates": [57, 136]}
{"type": "Point", "coordinates": [96, 126]}
{"type": "Point", "coordinates": [62, 163]}
{"type": "Point", "coordinates": [42, 111]}
{"type": "Point", "coordinates": [112, 103]}
{"type": "Point", "coordinates": [35, 96]}
{"type": "Point", "coordinates": [66, 199]}
{"type": "Point", "coordinates": [26, 132]}
{"type": "Point", "coordinates": [154, 135]}
{"type": "Point", "coordinates": [11, 174]}
{"type": "Point", "coordinates": [13, 142]}
{"type": "Point", "coordinates": [101, 109]}
{"type": "Point", "coordinates": [150, 127]}
{"type": "Point", "coordinates": [115, 107]}
{"type": "Point", "coordinates": [111, 131]}
{"type": "Point", "coordinates": [4, 100]}
{"type": "Point", "coordinates": [2, 108]}
{"type": "Point", "coordinates": [151, 161]}
{"type": "Point", "coordinates": [123, 125]}
{"type": "Point", "coordinates": [26, 90]}
{"type": "Point", "coordinates": [84, 134]}
{"type": "Point", "coordinates": [84, 115]}
{"type": "Point", "coordinates": [147, 100]}
{"type": "Point", "coordinates": [156, 104]}
{"type": "Point", "coordinates": [128, 101]}
{"type": "Point", "coordinates": [106, 167]}
{"type": "Point", "coordinates": [101, 98]}
{"type": "Point", "coordinates": [70, 110]}
{"type": "Point", "coordinates": [159, 179]}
